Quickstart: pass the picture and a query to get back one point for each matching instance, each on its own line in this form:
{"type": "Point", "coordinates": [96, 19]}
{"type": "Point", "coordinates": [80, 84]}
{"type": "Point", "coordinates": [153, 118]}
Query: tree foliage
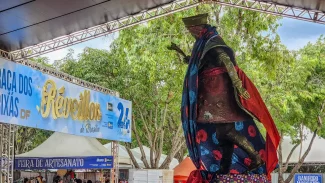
{"type": "Point", "coordinates": [140, 67]}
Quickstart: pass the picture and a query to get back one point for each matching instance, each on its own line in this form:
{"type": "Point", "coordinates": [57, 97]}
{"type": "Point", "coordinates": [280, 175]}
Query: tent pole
{"type": "Point", "coordinates": [7, 144]}
{"type": "Point", "coordinates": [115, 169]}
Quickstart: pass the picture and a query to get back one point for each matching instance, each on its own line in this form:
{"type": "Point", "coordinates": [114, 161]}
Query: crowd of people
{"type": "Point", "coordinates": [58, 179]}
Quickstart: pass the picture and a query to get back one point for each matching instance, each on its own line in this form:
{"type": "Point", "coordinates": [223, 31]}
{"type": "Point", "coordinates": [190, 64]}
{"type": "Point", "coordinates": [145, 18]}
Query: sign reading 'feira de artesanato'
{"type": "Point", "coordinates": [31, 98]}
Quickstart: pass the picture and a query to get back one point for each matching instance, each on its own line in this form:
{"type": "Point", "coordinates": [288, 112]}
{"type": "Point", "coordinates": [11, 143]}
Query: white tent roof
{"type": "Point", "coordinates": [66, 145]}
{"type": "Point", "coordinates": [137, 155]}
{"type": "Point", "coordinates": [316, 154]}
{"type": "Point", "coordinates": [123, 154]}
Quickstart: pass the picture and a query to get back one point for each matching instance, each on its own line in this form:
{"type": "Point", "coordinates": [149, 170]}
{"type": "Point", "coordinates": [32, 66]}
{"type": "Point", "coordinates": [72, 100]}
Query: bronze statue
{"type": "Point", "coordinates": [218, 107]}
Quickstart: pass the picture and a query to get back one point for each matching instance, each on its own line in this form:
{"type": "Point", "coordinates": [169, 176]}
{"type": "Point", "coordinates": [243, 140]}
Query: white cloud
{"type": "Point", "coordinates": [298, 43]}
{"type": "Point", "coordinates": [98, 43]}
{"type": "Point", "coordinates": [295, 34]}
{"type": "Point", "coordinates": [57, 55]}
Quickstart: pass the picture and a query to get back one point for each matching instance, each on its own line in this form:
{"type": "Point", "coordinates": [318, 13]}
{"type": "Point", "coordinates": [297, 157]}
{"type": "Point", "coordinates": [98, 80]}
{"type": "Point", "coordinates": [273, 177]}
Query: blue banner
{"type": "Point", "coordinates": [308, 178]}
{"type": "Point", "coordinates": [33, 99]}
{"type": "Point", "coordinates": [93, 162]}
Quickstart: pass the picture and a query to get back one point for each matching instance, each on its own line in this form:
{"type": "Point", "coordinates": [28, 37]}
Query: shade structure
{"type": "Point", "coordinates": [316, 154]}
{"type": "Point", "coordinates": [137, 154]}
{"type": "Point", "coordinates": [303, 4]}
{"type": "Point", "coordinates": [66, 145]}
{"type": "Point", "coordinates": [33, 27]}
{"type": "Point", "coordinates": [25, 23]}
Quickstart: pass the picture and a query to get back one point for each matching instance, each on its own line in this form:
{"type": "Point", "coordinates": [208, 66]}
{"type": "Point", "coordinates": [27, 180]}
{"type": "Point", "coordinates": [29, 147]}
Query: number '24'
{"type": "Point", "coordinates": [120, 107]}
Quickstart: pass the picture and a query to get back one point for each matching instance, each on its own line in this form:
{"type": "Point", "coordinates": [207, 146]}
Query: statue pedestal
{"type": "Point", "coordinates": [241, 178]}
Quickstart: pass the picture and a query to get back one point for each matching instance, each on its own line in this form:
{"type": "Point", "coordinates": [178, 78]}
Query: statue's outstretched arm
{"type": "Point", "coordinates": [237, 83]}
{"type": "Point", "coordinates": [173, 46]}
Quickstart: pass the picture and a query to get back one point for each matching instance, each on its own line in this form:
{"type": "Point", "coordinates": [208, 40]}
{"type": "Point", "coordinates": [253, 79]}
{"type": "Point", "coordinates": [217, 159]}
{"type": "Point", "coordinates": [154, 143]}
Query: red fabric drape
{"type": "Point", "coordinates": [256, 106]}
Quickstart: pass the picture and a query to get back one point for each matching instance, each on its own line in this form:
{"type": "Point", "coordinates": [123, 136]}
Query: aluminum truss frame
{"type": "Point", "coordinates": [66, 77]}
{"type": "Point", "coordinates": [115, 171]}
{"type": "Point", "coordinates": [7, 145]}
{"type": "Point", "coordinates": [144, 16]}
{"type": "Point", "coordinates": [6, 55]}
{"type": "Point", "coordinates": [100, 30]}
{"type": "Point", "coordinates": [274, 9]}
{"type": "Point", "coordinates": [308, 164]}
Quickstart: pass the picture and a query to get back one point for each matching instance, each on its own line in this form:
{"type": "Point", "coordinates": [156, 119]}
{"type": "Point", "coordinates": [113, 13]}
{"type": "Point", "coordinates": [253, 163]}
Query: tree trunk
{"type": "Point", "coordinates": [143, 154]}
{"type": "Point", "coordinates": [162, 135]}
{"type": "Point", "coordinates": [301, 160]}
{"type": "Point", "coordinates": [281, 171]}
{"type": "Point", "coordinates": [22, 137]}
{"type": "Point", "coordinates": [240, 21]}
{"type": "Point", "coordinates": [180, 155]}
{"type": "Point", "coordinates": [217, 14]}
{"type": "Point", "coordinates": [134, 161]}
{"type": "Point", "coordinates": [289, 156]}
{"type": "Point", "coordinates": [170, 157]}
{"type": "Point", "coordinates": [178, 142]}
{"type": "Point", "coordinates": [301, 139]}
{"type": "Point", "coordinates": [284, 166]}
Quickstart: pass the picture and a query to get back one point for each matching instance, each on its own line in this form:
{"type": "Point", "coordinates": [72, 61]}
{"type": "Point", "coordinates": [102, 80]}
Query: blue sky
{"type": "Point", "coordinates": [295, 34]}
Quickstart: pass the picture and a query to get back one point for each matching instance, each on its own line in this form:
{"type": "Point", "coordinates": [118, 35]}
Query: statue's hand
{"type": "Point", "coordinates": [244, 93]}
{"type": "Point", "coordinates": [172, 46]}
{"type": "Point", "coordinates": [187, 59]}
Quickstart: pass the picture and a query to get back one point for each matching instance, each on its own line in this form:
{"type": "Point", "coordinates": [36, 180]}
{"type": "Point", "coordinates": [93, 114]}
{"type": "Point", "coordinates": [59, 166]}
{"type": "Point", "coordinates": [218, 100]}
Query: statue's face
{"type": "Point", "coordinates": [195, 30]}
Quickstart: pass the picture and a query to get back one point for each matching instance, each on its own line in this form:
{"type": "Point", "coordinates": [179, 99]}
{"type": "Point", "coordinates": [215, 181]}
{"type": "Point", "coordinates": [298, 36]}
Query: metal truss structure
{"type": "Point", "coordinates": [175, 6]}
{"type": "Point", "coordinates": [308, 164]}
{"type": "Point", "coordinates": [66, 77]}
{"type": "Point", "coordinates": [103, 29]}
{"type": "Point", "coordinates": [274, 9]}
{"type": "Point", "coordinates": [7, 141]}
{"type": "Point", "coordinates": [115, 170]}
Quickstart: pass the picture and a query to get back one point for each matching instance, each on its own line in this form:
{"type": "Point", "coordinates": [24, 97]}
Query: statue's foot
{"type": "Point", "coordinates": [256, 163]}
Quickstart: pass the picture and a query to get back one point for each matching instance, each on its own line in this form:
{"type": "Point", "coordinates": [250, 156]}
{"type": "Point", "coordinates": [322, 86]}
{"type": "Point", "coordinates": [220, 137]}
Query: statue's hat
{"type": "Point", "coordinates": [196, 20]}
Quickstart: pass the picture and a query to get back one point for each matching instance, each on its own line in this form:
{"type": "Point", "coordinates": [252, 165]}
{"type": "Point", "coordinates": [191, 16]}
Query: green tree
{"type": "Point", "coordinates": [140, 67]}
{"type": "Point", "coordinates": [29, 138]}
{"type": "Point", "coordinates": [294, 93]}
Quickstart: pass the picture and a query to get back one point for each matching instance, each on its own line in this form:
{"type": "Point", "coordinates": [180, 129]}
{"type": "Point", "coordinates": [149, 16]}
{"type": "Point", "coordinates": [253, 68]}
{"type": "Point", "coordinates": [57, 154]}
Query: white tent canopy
{"type": "Point", "coordinates": [66, 145]}
{"type": "Point", "coordinates": [122, 153]}
{"type": "Point", "coordinates": [316, 154]}
{"type": "Point", "coordinates": [137, 155]}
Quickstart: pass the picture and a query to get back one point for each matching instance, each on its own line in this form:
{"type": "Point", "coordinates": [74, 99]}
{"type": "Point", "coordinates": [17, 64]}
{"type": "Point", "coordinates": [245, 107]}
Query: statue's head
{"type": "Point", "coordinates": [195, 24]}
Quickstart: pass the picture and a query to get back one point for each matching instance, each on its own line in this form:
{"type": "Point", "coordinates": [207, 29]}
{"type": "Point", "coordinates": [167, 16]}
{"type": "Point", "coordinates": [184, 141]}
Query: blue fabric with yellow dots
{"type": "Point", "coordinates": [201, 139]}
